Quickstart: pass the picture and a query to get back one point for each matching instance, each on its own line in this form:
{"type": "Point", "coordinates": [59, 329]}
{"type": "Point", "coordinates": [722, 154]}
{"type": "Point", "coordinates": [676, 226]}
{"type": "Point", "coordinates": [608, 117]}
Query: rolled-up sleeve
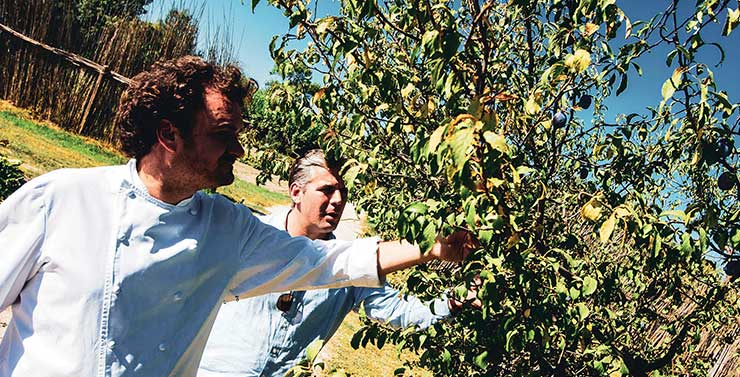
{"type": "Point", "coordinates": [388, 306]}
{"type": "Point", "coordinates": [22, 227]}
{"type": "Point", "coordinates": [273, 261]}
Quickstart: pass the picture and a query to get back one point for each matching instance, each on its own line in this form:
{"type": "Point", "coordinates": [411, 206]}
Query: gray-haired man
{"type": "Point", "coordinates": [267, 335]}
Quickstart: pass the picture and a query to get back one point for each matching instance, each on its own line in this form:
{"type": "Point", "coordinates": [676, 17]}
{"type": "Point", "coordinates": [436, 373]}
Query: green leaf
{"type": "Point", "coordinates": [589, 286]}
{"type": "Point", "coordinates": [461, 145]}
{"type": "Point", "coordinates": [356, 339]}
{"type": "Point", "coordinates": [481, 361]}
{"type": "Point", "coordinates": [574, 293]}
{"type": "Point", "coordinates": [446, 357]}
{"type": "Point", "coordinates": [430, 236]}
{"type": "Point", "coordinates": [622, 83]}
{"type": "Point", "coordinates": [509, 336]}
{"type": "Point", "coordinates": [351, 174]}
{"type": "Point", "coordinates": [605, 232]}
{"type": "Point", "coordinates": [686, 247]}
{"type": "Point", "coordinates": [429, 39]}
{"type": "Point", "coordinates": [313, 349]}
{"type": "Point", "coordinates": [583, 310]}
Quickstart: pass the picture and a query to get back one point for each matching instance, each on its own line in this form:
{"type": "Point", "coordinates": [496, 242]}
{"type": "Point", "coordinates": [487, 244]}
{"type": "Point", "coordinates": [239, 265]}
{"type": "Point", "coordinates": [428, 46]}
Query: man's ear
{"type": "Point", "coordinates": [167, 135]}
{"type": "Point", "coordinates": [295, 193]}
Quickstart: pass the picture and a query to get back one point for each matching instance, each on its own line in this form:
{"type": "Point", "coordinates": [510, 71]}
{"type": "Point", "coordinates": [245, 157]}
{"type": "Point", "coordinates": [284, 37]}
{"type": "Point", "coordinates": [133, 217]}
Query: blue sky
{"type": "Point", "coordinates": [251, 34]}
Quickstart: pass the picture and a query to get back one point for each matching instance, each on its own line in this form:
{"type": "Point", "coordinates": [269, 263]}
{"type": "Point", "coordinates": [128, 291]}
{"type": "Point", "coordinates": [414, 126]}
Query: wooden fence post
{"type": "Point", "coordinates": [91, 99]}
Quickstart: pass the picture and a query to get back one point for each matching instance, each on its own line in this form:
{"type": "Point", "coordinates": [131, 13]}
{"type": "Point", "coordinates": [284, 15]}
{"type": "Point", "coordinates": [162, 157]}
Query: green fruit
{"type": "Point", "coordinates": [726, 181]}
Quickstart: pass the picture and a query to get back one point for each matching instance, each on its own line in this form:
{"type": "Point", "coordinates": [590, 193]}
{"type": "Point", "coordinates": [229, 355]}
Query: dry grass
{"type": "Point", "coordinates": [42, 147]}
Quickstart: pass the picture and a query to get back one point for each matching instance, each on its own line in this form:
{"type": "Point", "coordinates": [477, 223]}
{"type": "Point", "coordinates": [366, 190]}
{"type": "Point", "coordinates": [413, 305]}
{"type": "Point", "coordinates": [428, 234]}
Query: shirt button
{"type": "Point", "coordinates": [193, 211]}
{"type": "Point", "coordinates": [111, 344]}
{"type": "Point", "coordinates": [162, 347]}
{"type": "Point", "coordinates": [274, 351]}
{"type": "Point", "coordinates": [132, 195]}
{"type": "Point", "coordinates": [178, 296]}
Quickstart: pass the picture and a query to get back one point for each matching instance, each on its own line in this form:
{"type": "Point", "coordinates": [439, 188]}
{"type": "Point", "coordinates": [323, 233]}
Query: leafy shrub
{"type": "Point", "coordinates": [11, 177]}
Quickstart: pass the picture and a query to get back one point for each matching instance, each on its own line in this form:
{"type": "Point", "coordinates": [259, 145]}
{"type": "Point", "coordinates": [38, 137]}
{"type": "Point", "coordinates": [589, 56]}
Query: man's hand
{"type": "Point", "coordinates": [455, 247]}
{"type": "Point", "coordinates": [471, 299]}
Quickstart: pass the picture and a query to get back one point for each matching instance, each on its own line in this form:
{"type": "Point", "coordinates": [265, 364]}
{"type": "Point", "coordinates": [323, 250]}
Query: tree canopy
{"type": "Point", "coordinates": [490, 116]}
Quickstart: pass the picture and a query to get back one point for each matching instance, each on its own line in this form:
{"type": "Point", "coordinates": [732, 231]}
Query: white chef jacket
{"type": "Point", "coordinates": [105, 280]}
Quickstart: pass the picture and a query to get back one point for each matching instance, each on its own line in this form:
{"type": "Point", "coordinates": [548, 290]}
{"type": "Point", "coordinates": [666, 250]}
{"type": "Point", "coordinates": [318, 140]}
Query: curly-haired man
{"type": "Point", "coordinates": [120, 270]}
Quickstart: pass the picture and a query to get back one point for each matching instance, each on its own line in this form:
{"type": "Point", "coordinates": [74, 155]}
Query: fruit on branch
{"type": "Point", "coordinates": [725, 147]}
{"type": "Point", "coordinates": [585, 101]}
{"type": "Point", "coordinates": [726, 181]}
{"type": "Point", "coordinates": [559, 119]}
{"type": "Point", "coordinates": [710, 153]}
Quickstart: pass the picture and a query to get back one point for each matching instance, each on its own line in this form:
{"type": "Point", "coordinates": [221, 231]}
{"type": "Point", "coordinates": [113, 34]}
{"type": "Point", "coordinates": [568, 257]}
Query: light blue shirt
{"type": "Point", "coordinates": [105, 280]}
{"type": "Point", "coordinates": [253, 338]}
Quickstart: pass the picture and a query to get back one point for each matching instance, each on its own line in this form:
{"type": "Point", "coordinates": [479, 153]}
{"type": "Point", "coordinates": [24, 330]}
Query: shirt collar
{"type": "Point", "coordinates": [138, 185]}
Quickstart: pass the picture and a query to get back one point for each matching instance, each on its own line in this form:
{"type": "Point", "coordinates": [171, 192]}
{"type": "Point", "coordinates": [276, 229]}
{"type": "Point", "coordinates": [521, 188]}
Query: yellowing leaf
{"type": "Point", "coordinates": [590, 28]}
{"type": "Point", "coordinates": [578, 61]}
{"type": "Point", "coordinates": [407, 90]}
{"type": "Point", "coordinates": [592, 209]}
{"type": "Point", "coordinates": [462, 118]}
{"type": "Point", "coordinates": [733, 19]}
{"type": "Point", "coordinates": [670, 85]}
{"type": "Point", "coordinates": [534, 103]}
{"type": "Point", "coordinates": [381, 107]}
{"type": "Point", "coordinates": [436, 138]}
{"type": "Point", "coordinates": [317, 96]}
{"type": "Point", "coordinates": [324, 24]}
{"type": "Point", "coordinates": [622, 212]}
{"type": "Point", "coordinates": [605, 232]}
{"type": "Point", "coordinates": [505, 97]}
{"type": "Point", "coordinates": [496, 141]}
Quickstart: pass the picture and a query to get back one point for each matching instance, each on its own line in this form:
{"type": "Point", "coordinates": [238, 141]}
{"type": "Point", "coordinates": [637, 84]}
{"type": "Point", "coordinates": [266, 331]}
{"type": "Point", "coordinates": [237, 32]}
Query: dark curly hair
{"type": "Point", "coordinates": [172, 90]}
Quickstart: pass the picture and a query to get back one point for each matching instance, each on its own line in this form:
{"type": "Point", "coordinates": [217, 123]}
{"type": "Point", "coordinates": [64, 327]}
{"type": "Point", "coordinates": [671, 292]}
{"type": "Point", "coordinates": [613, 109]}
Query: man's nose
{"type": "Point", "coordinates": [337, 197]}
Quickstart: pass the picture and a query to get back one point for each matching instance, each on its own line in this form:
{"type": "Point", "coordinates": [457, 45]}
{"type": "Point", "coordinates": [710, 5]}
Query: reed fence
{"type": "Point", "coordinates": [79, 90]}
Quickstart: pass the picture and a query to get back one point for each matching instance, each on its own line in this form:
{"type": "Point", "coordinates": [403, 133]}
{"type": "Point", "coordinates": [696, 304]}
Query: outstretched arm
{"type": "Point", "coordinates": [397, 255]}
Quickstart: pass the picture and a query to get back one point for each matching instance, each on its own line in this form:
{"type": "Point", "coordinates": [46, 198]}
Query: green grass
{"type": "Point", "coordinates": [253, 196]}
{"type": "Point", "coordinates": [43, 147]}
